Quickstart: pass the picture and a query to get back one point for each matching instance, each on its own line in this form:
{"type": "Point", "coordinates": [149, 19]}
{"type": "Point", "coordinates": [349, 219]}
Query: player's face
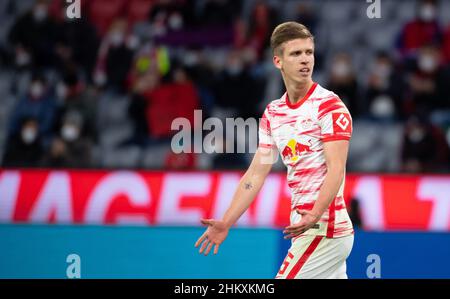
{"type": "Point", "coordinates": [297, 60]}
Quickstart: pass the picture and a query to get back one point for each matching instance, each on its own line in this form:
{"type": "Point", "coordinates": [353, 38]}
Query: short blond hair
{"type": "Point", "coordinates": [285, 32]}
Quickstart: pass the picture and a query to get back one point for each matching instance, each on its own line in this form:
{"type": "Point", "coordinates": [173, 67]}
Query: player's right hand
{"type": "Point", "coordinates": [215, 234]}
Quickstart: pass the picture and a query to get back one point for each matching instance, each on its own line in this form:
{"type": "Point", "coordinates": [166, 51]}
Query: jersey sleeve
{"type": "Point", "coordinates": [335, 120]}
{"type": "Point", "coordinates": [265, 132]}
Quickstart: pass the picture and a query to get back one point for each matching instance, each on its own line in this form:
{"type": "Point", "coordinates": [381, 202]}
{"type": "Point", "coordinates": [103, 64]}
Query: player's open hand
{"type": "Point", "coordinates": [215, 234]}
{"type": "Point", "coordinates": [308, 220]}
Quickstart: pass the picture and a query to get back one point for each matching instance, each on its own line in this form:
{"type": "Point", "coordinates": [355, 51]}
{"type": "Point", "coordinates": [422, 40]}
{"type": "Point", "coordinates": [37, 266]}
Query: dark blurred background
{"type": "Point", "coordinates": [101, 91]}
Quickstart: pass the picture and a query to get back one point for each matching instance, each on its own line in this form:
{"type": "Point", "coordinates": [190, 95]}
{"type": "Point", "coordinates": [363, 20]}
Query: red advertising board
{"type": "Point", "coordinates": [387, 202]}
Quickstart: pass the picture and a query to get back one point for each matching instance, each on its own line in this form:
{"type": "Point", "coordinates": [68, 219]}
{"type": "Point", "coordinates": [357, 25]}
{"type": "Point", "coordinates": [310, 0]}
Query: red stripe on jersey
{"type": "Point", "coordinates": [304, 191]}
{"type": "Point", "coordinates": [329, 109]}
{"type": "Point", "coordinates": [264, 124]}
{"type": "Point", "coordinates": [307, 171]}
{"type": "Point", "coordinates": [329, 103]}
{"type": "Point", "coordinates": [331, 213]}
{"type": "Point", "coordinates": [301, 262]}
{"type": "Point", "coordinates": [305, 206]}
{"type": "Point", "coordinates": [335, 137]}
{"type": "Point", "coordinates": [299, 103]}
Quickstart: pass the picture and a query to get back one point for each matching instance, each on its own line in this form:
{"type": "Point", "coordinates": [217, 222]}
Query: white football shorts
{"type": "Point", "coordinates": [316, 257]}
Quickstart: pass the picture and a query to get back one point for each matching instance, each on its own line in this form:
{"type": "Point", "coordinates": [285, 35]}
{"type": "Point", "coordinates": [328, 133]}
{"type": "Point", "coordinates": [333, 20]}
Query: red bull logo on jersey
{"type": "Point", "coordinates": [294, 149]}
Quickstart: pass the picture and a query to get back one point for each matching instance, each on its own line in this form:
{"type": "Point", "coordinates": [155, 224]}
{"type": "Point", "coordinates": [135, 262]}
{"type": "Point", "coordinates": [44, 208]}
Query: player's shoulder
{"type": "Point", "coordinates": [326, 101]}
{"type": "Point", "coordinates": [276, 105]}
{"type": "Point", "coordinates": [321, 95]}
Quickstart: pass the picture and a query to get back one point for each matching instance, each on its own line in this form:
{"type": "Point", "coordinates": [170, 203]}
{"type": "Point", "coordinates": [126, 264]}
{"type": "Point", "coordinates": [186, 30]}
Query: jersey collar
{"type": "Point", "coordinates": [299, 103]}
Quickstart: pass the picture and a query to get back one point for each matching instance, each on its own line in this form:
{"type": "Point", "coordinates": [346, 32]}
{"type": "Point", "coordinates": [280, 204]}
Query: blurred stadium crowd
{"type": "Point", "coordinates": [101, 91]}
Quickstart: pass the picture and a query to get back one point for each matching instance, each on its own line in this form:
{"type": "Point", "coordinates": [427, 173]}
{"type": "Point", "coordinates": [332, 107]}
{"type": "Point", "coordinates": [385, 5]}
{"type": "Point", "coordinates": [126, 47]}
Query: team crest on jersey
{"type": "Point", "coordinates": [294, 149]}
{"type": "Point", "coordinates": [304, 124]}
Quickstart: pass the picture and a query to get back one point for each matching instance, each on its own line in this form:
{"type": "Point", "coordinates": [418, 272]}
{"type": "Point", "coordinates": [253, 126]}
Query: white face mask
{"type": "Point", "coordinates": [175, 21]}
{"type": "Point", "coordinates": [341, 69]}
{"type": "Point", "coordinates": [416, 135]}
{"type": "Point", "coordinates": [382, 70]}
{"type": "Point", "coordinates": [427, 63]}
{"type": "Point", "coordinates": [36, 90]}
{"type": "Point", "coordinates": [117, 38]}
{"type": "Point", "coordinates": [70, 132]}
{"type": "Point", "coordinates": [382, 106]}
{"type": "Point", "coordinates": [22, 58]}
{"type": "Point", "coordinates": [40, 13]}
{"type": "Point", "coordinates": [427, 12]}
{"type": "Point", "coordinates": [234, 69]}
{"type": "Point", "coordinates": [29, 135]}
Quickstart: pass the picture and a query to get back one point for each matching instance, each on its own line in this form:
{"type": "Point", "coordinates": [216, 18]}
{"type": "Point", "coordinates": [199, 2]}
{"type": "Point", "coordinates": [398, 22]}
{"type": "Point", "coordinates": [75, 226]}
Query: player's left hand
{"type": "Point", "coordinates": [308, 220]}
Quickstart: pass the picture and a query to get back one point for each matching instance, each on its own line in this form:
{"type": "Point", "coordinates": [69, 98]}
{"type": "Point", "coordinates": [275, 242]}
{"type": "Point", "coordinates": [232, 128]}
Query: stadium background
{"type": "Point", "coordinates": [86, 107]}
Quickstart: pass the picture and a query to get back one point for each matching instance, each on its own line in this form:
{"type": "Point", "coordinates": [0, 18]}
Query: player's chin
{"type": "Point", "coordinates": [303, 78]}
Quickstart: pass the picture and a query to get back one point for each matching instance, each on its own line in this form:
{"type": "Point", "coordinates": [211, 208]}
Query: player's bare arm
{"type": "Point", "coordinates": [335, 156]}
{"type": "Point", "coordinates": [248, 188]}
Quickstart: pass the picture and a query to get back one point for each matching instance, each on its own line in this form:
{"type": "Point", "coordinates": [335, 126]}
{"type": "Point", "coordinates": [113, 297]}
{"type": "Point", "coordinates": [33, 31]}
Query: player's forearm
{"type": "Point", "coordinates": [248, 188]}
{"type": "Point", "coordinates": [329, 189]}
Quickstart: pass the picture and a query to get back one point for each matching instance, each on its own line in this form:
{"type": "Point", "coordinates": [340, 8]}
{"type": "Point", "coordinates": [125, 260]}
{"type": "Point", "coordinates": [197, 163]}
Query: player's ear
{"type": "Point", "coordinates": [277, 62]}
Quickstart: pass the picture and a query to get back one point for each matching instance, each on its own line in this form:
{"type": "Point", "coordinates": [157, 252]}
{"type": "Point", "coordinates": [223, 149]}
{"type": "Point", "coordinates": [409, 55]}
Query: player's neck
{"type": "Point", "coordinates": [297, 91]}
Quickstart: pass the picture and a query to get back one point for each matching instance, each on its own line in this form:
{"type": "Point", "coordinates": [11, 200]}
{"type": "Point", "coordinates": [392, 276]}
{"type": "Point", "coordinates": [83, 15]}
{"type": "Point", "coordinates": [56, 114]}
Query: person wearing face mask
{"type": "Point", "coordinates": [428, 82]}
{"type": "Point", "coordinates": [34, 36]}
{"type": "Point", "coordinates": [343, 81]}
{"type": "Point", "coordinates": [384, 88]}
{"type": "Point", "coordinates": [24, 149]}
{"type": "Point", "coordinates": [115, 57]}
{"type": "Point", "coordinates": [69, 148]}
{"type": "Point", "coordinates": [424, 146]}
{"type": "Point", "coordinates": [236, 90]}
{"type": "Point", "coordinates": [39, 104]}
{"type": "Point", "coordinates": [74, 95]}
{"type": "Point", "coordinates": [424, 29]}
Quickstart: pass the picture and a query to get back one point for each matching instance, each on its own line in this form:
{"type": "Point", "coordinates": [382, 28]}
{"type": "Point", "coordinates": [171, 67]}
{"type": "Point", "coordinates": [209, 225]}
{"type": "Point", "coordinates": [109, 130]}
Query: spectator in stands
{"type": "Point", "coordinates": [424, 147]}
{"type": "Point", "coordinates": [75, 96]}
{"type": "Point", "coordinates": [428, 82]}
{"type": "Point", "coordinates": [24, 148]}
{"type": "Point", "coordinates": [262, 22]}
{"type": "Point", "coordinates": [423, 30]}
{"type": "Point", "coordinates": [70, 148]}
{"type": "Point", "coordinates": [166, 16]}
{"type": "Point", "coordinates": [236, 91]}
{"type": "Point", "coordinates": [76, 42]}
{"type": "Point", "coordinates": [384, 89]}
{"type": "Point", "coordinates": [39, 104]}
{"type": "Point", "coordinates": [168, 101]}
{"type": "Point", "coordinates": [33, 36]}
{"type": "Point", "coordinates": [343, 81]}
{"type": "Point", "coordinates": [115, 57]}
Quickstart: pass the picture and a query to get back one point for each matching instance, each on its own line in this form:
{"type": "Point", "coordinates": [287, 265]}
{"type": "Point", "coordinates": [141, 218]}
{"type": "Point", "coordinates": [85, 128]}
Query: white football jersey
{"type": "Point", "coordinates": [299, 131]}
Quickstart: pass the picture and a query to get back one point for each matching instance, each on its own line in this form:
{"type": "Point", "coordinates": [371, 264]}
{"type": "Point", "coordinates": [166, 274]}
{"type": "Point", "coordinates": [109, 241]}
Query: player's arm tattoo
{"type": "Point", "coordinates": [248, 186]}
